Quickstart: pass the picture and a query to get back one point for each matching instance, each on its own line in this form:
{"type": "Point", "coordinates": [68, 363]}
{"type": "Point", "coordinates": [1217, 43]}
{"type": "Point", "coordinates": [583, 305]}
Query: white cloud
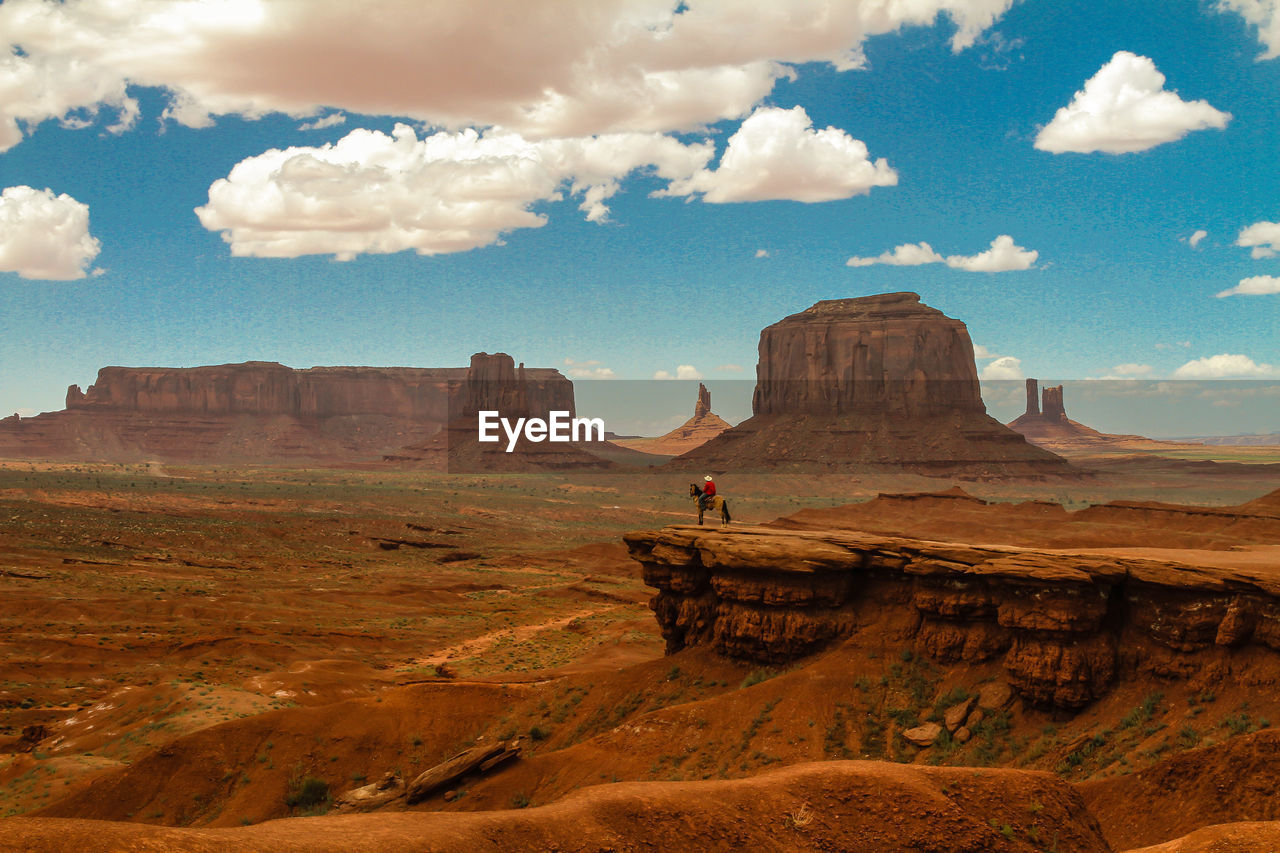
{"type": "Point", "coordinates": [331, 120]}
{"type": "Point", "coordinates": [537, 67]}
{"type": "Point", "coordinates": [1224, 366]}
{"type": "Point", "coordinates": [592, 373]}
{"type": "Point", "coordinates": [906, 255]}
{"type": "Point", "coordinates": [1003, 256]}
{"type": "Point", "coordinates": [730, 368]}
{"type": "Point", "coordinates": [1264, 237]}
{"type": "Point", "coordinates": [447, 192]}
{"type": "Point", "coordinates": [979, 351]}
{"type": "Point", "coordinates": [777, 155]}
{"type": "Point", "coordinates": [1006, 367]}
{"type": "Point", "coordinates": [1194, 239]}
{"type": "Point", "coordinates": [1263, 14]}
{"type": "Point", "coordinates": [1124, 108]}
{"type": "Point", "coordinates": [590, 369]}
{"type": "Point", "coordinates": [762, 253]}
{"type": "Point", "coordinates": [1131, 369]}
{"type": "Point", "coordinates": [1258, 285]}
{"type": "Point", "coordinates": [1183, 344]}
{"type": "Point", "coordinates": [683, 371]}
{"type": "Point", "coordinates": [45, 236]}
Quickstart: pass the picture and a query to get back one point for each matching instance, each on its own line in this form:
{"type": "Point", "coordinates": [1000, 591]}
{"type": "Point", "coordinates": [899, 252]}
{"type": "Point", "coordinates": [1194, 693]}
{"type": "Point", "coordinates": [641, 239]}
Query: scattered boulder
{"type": "Point", "coordinates": [958, 713]}
{"type": "Point", "coordinates": [962, 735]}
{"type": "Point", "coordinates": [994, 695]}
{"type": "Point", "coordinates": [924, 735]}
{"type": "Point", "coordinates": [482, 758]}
{"type": "Point", "coordinates": [375, 794]}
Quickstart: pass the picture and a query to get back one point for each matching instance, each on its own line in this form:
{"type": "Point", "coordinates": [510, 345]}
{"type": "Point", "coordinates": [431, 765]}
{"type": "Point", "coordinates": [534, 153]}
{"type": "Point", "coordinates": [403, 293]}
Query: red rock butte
{"type": "Point", "coordinates": [873, 382]}
{"type": "Point", "coordinates": [1049, 427]}
{"type": "Point", "coordinates": [695, 432]}
{"type": "Point", "coordinates": [266, 412]}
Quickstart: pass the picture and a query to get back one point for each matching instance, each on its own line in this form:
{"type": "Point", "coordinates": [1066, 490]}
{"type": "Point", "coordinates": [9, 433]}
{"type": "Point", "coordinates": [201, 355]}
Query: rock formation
{"type": "Point", "coordinates": [1065, 625]}
{"type": "Point", "coordinates": [877, 381]}
{"type": "Point", "coordinates": [263, 411]}
{"type": "Point", "coordinates": [702, 408]}
{"type": "Point", "coordinates": [1047, 425]}
{"type": "Point", "coordinates": [695, 432]}
{"type": "Point", "coordinates": [495, 383]}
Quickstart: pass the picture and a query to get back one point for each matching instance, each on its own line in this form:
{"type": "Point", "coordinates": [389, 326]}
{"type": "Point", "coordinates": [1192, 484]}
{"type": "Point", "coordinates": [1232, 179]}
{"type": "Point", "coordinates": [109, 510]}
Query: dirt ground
{"type": "Point", "coordinates": [183, 647]}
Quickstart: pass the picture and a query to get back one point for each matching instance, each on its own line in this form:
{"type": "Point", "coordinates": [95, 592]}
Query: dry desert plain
{"type": "Point", "coordinates": [210, 658]}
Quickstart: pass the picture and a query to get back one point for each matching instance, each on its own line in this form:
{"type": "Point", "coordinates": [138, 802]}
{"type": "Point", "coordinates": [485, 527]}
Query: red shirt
{"type": "Point", "coordinates": [709, 489]}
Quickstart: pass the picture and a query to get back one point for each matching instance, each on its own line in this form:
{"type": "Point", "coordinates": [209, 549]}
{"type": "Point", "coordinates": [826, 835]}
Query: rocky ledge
{"type": "Point", "coordinates": [1065, 625]}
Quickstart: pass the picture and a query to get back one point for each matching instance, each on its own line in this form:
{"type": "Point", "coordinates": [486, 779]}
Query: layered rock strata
{"type": "Point", "coordinates": [877, 381]}
{"type": "Point", "coordinates": [1064, 625]}
{"type": "Point", "coordinates": [263, 411]}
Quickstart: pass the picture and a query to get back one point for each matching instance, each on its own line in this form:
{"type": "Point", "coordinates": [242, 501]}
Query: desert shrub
{"type": "Point", "coordinates": [757, 676]}
{"type": "Point", "coordinates": [307, 793]}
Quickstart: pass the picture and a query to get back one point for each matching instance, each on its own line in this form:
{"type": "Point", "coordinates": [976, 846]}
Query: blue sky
{"type": "Point", "coordinates": [945, 133]}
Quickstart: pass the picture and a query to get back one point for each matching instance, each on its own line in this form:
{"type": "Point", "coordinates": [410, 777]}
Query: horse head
{"type": "Point", "coordinates": [694, 491]}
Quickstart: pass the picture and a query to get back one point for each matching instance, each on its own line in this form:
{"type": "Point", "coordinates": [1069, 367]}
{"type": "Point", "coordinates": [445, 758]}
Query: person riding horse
{"type": "Point", "coordinates": [706, 498]}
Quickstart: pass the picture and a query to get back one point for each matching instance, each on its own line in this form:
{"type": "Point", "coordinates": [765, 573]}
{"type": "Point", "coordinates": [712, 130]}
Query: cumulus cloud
{"type": "Point", "coordinates": [1005, 367]}
{"type": "Point", "coordinates": [331, 120]}
{"type": "Point", "coordinates": [1131, 369]}
{"type": "Point", "coordinates": [1262, 14]}
{"type": "Point", "coordinates": [1003, 256]}
{"type": "Point", "coordinates": [906, 255]}
{"type": "Point", "coordinates": [1225, 366]}
{"type": "Point", "coordinates": [762, 253]}
{"type": "Point", "coordinates": [1258, 285]}
{"type": "Point", "coordinates": [45, 236]}
{"type": "Point", "coordinates": [979, 351]}
{"type": "Point", "coordinates": [1195, 238]}
{"type": "Point", "coordinates": [447, 192]}
{"type": "Point", "coordinates": [1125, 108]}
{"type": "Point", "coordinates": [1263, 237]}
{"type": "Point", "coordinates": [566, 68]}
{"type": "Point", "coordinates": [590, 369]}
{"type": "Point", "coordinates": [777, 155]}
{"type": "Point", "coordinates": [684, 371]}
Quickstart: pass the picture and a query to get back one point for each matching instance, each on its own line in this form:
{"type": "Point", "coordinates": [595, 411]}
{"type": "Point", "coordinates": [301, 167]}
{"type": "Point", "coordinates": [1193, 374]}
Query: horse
{"type": "Point", "coordinates": [717, 502]}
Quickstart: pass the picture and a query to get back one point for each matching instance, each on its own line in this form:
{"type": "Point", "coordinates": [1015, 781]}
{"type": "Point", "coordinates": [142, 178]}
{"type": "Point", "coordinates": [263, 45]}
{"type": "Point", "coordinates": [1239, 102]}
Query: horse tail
{"type": "Point", "coordinates": [725, 507]}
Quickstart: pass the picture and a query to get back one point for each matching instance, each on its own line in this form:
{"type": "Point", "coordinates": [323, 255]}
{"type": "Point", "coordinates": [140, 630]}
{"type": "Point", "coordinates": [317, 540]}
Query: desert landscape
{"type": "Point", "coordinates": [919, 631]}
{"type": "Point", "coordinates": [638, 426]}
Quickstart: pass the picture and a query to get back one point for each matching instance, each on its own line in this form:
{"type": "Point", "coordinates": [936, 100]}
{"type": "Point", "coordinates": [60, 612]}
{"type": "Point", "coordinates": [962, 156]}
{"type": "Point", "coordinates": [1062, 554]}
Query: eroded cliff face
{"type": "Point", "coordinates": [1064, 625]}
{"type": "Point", "coordinates": [264, 411]}
{"type": "Point", "coordinates": [876, 381]}
{"type": "Point", "coordinates": [874, 355]}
